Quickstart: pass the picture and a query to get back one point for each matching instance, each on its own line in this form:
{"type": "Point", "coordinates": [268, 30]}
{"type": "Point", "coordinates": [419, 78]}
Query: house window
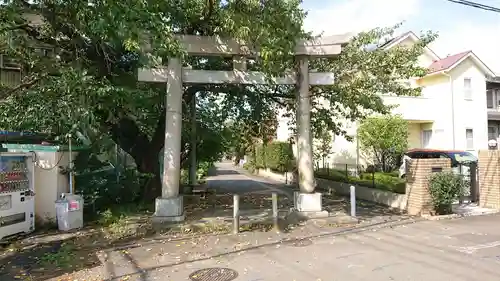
{"type": "Point", "coordinates": [426, 138]}
{"type": "Point", "coordinates": [489, 99]}
{"type": "Point", "coordinates": [492, 133]}
{"type": "Point", "coordinates": [467, 88]}
{"type": "Point", "coordinates": [469, 139]}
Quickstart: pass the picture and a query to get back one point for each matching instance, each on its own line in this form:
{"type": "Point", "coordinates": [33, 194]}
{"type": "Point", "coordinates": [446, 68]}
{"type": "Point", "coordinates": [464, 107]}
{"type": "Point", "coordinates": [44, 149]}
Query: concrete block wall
{"type": "Point", "coordinates": [489, 179]}
{"type": "Point", "coordinates": [417, 185]}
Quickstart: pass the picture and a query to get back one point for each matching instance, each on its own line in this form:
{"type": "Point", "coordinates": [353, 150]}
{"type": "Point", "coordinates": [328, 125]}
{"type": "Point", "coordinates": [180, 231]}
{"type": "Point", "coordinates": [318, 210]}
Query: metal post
{"type": "Point", "coordinates": [474, 190]}
{"type": "Point", "coordinates": [236, 214]}
{"type": "Point", "coordinates": [353, 201]}
{"type": "Point", "coordinates": [275, 211]}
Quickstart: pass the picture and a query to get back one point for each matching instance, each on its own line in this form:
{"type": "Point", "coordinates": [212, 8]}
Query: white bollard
{"type": "Point", "coordinates": [236, 214]}
{"type": "Point", "coordinates": [353, 201]}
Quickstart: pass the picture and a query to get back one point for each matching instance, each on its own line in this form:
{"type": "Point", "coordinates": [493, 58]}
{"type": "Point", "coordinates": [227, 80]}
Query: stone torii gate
{"type": "Point", "coordinates": [169, 207]}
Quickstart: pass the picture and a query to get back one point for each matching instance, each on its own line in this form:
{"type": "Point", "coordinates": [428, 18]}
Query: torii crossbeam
{"type": "Point", "coordinates": [169, 207]}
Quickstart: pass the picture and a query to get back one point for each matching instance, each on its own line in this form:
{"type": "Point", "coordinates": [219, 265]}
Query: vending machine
{"type": "Point", "coordinates": [17, 196]}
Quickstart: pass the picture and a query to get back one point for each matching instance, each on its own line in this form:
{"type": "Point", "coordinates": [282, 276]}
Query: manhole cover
{"type": "Point", "coordinates": [213, 274]}
{"type": "Point", "coordinates": [300, 242]}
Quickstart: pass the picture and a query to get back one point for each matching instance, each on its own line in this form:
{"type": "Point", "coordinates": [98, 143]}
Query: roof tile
{"type": "Point", "coordinates": [447, 62]}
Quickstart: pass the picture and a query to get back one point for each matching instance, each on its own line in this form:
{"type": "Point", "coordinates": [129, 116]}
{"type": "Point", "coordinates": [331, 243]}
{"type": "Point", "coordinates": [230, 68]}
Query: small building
{"type": "Point", "coordinates": [51, 162]}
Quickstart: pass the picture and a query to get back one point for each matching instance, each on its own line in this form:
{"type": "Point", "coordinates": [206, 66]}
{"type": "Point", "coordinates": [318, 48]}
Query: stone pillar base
{"type": "Point", "coordinates": [168, 210]}
{"type": "Point", "coordinates": [307, 202]}
{"type": "Point", "coordinates": [309, 205]}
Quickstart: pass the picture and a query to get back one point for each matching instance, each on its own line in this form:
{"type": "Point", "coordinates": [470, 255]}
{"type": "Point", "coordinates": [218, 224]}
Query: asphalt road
{"type": "Point", "coordinates": [459, 249]}
{"type": "Point", "coordinates": [227, 178]}
{"type": "Point", "coordinates": [463, 249]}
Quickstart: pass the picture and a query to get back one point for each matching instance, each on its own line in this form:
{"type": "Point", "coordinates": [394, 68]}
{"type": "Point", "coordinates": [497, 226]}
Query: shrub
{"type": "Point", "coordinates": [382, 181]}
{"type": "Point", "coordinates": [260, 157]}
{"type": "Point", "coordinates": [279, 156]}
{"type": "Point", "coordinates": [249, 166]}
{"type": "Point", "coordinates": [444, 188]}
{"type": "Point", "coordinates": [203, 169]}
{"type": "Point", "coordinates": [332, 174]}
{"type": "Point", "coordinates": [103, 188]}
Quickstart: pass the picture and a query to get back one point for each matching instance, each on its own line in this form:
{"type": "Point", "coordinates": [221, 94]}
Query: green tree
{"type": "Point", "coordinates": [80, 66]}
{"type": "Point", "coordinates": [386, 137]}
{"type": "Point", "coordinates": [84, 79]}
{"type": "Point", "coordinates": [323, 146]}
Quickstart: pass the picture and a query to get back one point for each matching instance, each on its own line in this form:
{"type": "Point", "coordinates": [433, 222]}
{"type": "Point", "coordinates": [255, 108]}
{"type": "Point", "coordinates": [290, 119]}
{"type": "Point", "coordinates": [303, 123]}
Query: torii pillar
{"type": "Point", "coordinates": [307, 202]}
{"type": "Point", "coordinates": [169, 207]}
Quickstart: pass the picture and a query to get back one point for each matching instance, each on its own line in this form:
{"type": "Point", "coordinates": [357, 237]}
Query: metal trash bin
{"type": "Point", "coordinates": [69, 212]}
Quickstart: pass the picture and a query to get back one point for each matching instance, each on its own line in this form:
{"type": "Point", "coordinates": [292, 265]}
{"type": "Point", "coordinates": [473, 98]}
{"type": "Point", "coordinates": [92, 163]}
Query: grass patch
{"type": "Point", "coordinates": [62, 257]}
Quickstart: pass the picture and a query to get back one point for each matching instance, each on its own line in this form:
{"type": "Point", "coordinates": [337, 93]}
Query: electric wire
{"type": "Point", "coordinates": [476, 5]}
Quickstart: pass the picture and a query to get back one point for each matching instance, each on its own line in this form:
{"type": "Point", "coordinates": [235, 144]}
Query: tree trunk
{"type": "Point", "coordinates": [148, 164]}
{"type": "Point", "coordinates": [129, 137]}
{"type": "Point", "coordinates": [384, 164]}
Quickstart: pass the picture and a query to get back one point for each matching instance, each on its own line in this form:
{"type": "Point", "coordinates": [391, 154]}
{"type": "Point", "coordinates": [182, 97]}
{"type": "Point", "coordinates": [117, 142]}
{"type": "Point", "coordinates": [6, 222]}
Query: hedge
{"type": "Point", "coordinates": [378, 180]}
{"type": "Point", "coordinates": [277, 156]}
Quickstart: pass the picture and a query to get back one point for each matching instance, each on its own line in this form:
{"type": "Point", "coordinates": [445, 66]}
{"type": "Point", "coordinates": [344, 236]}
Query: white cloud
{"type": "Point", "coordinates": [359, 15]}
{"type": "Point", "coordinates": [481, 39]}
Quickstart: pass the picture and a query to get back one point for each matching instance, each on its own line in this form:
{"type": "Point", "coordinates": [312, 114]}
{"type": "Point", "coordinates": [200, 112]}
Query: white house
{"type": "Point", "coordinates": [450, 114]}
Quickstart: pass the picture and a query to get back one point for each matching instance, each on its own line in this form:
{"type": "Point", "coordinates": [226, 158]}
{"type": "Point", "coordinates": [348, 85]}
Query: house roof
{"type": "Point", "coordinates": [391, 41]}
{"type": "Point", "coordinates": [440, 64]}
{"type": "Point", "coordinates": [493, 79]}
{"type": "Point", "coordinates": [447, 63]}
{"type": "Point", "coordinates": [452, 61]}
{"type": "Point", "coordinates": [396, 40]}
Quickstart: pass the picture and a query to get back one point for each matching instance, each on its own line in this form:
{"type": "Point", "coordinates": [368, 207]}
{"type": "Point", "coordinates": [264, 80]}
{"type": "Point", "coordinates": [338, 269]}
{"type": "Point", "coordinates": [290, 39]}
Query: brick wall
{"type": "Point", "coordinates": [417, 185]}
{"type": "Point", "coordinates": [489, 178]}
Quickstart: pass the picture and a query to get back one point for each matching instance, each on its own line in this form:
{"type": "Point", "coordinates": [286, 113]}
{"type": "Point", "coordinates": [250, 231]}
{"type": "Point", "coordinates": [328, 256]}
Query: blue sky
{"type": "Point", "coordinates": [460, 28]}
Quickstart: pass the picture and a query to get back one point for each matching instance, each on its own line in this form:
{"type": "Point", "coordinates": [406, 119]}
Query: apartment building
{"type": "Point", "coordinates": [493, 107]}
{"type": "Point", "coordinates": [451, 112]}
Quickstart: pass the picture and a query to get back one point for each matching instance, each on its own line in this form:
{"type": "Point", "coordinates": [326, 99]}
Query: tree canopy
{"type": "Point", "coordinates": [384, 137]}
{"type": "Point", "coordinates": [80, 58]}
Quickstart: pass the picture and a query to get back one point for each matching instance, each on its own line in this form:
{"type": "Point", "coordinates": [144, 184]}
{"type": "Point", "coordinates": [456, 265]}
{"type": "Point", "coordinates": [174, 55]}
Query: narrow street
{"type": "Point", "coordinates": [227, 178]}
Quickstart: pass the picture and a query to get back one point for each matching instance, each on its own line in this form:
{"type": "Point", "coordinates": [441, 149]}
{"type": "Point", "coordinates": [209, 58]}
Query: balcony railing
{"type": "Point", "coordinates": [413, 108]}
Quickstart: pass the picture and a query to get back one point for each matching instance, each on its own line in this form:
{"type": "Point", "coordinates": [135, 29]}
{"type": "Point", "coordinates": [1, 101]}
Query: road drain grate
{"type": "Point", "coordinates": [213, 274]}
{"type": "Point", "coordinates": [299, 242]}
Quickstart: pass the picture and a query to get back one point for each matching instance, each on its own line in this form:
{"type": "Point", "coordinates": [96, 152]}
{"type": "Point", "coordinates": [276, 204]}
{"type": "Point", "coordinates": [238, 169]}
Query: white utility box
{"type": "Point", "coordinates": [17, 202]}
{"type": "Point", "coordinates": [69, 212]}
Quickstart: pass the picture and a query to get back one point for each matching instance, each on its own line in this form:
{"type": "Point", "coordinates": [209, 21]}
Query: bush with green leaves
{"type": "Point", "coordinates": [260, 156]}
{"type": "Point", "coordinates": [445, 188]}
{"type": "Point", "coordinates": [378, 180]}
{"type": "Point", "coordinates": [102, 189]}
{"type": "Point", "coordinates": [279, 156]}
{"type": "Point", "coordinates": [249, 165]}
{"type": "Point", "coordinates": [203, 169]}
